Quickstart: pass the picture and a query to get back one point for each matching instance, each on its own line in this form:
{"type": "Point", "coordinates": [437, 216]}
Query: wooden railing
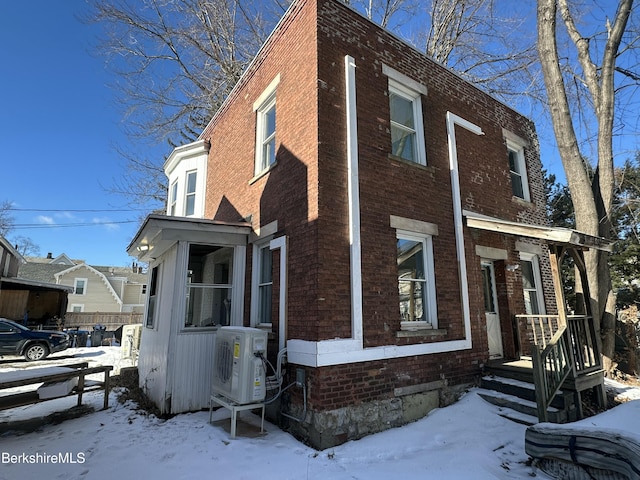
{"type": "Point", "coordinates": [557, 351]}
{"type": "Point", "coordinates": [551, 367]}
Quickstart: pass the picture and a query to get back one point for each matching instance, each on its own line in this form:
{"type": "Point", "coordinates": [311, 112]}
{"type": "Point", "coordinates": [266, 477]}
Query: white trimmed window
{"type": "Point", "coordinates": [77, 307]}
{"type": "Point", "coordinates": [518, 170]}
{"type": "Point", "coordinates": [405, 106]}
{"type": "Point", "coordinates": [80, 286]}
{"type": "Point", "coordinates": [265, 108]}
{"type": "Point", "coordinates": [532, 284]}
{"type": "Point", "coordinates": [152, 298]}
{"type": "Point", "coordinates": [261, 308]}
{"type": "Point", "coordinates": [416, 280]}
{"type": "Point", "coordinates": [173, 198]}
{"type": "Point", "coordinates": [190, 194]}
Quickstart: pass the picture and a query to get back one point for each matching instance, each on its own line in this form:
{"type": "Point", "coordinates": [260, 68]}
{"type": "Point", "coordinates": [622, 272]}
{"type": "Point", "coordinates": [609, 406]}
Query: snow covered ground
{"type": "Point", "coordinates": [466, 440]}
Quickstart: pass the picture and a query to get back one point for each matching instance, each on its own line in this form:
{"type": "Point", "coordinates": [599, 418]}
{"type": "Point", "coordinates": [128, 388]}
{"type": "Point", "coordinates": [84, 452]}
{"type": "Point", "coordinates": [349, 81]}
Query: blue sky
{"type": "Point", "coordinates": [58, 125]}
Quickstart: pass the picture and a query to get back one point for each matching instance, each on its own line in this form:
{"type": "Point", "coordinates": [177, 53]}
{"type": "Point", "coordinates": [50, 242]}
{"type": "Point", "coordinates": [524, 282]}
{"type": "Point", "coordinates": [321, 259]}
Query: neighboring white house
{"type": "Point", "coordinates": [103, 289]}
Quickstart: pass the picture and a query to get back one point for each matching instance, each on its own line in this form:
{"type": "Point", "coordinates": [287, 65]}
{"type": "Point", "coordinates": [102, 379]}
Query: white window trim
{"type": "Point", "coordinates": [261, 237]}
{"type": "Point", "coordinates": [173, 198]}
{"type": "Point", "coordinates": [153, 324]}
{"type": "Point", "coordinates": [537, 277]}
{"type": "Point", "coordinates": [255, 281]}
{"type": "Point", "coordinates": [518, 149]}
{"type": "Point", "coordinates": [265, 101]}
{"type": "Point", "coordinates": [74, 305]}
{"type": "Point", "coordinates": [75, 286]}
{"type": "Point", "coordinates": [429, 281]}
{"type": "Point", "coordinates": [188, 194]}
{"type": "Point", "coordinates": [411, 90]}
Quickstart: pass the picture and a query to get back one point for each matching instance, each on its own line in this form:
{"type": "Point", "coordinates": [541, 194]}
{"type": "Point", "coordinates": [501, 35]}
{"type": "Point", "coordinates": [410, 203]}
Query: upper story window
{"type": "Point", "coordinates": [186, 169]}
{"type": "Point", "coordinates": [518, 170]}
{"type": "Point", "coordinates": [173, 198]}
{"type": "Point", "coordinates": [80, 286]}
{"type": "Point", "coordinates": [265, 108]}
{"type": "Point", "coordinates": [405, 107]}
{"type": "Point", "coordinates": [190, 194]}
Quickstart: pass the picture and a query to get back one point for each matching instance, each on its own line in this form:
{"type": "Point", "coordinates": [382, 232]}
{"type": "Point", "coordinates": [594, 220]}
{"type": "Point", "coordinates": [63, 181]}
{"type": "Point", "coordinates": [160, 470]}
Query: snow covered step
{"type": "Point", "coordinates": [564, 400]}
{"type": "Point", "coordinates": [521, 405]}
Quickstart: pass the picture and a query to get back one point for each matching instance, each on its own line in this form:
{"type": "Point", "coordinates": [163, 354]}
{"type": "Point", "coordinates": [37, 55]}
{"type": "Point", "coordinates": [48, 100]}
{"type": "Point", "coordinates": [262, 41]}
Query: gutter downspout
{"type": "Point", "coordinates": [452, 121]}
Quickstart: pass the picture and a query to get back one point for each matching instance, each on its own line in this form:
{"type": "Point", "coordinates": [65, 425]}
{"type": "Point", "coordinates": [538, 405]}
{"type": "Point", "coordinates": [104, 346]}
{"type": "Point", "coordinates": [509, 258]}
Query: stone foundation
{"type": "Point", "coordinates": [326, 429]}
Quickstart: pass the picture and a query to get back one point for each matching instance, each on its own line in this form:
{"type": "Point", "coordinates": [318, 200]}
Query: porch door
{"type": "Point", "coordinates": [494, 333]}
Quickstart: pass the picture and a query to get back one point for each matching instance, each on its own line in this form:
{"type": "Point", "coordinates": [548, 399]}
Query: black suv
{"type": "Point", "coordinates": [16, 339]}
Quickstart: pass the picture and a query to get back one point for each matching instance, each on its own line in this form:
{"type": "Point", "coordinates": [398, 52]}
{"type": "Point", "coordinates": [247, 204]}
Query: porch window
{"type": "Point", "coordinates": [153, 295]}
{"type": "Point", "coordinates": [532, 284]}
{"type": "Point", "coordinates": [209, 286]}
{"type": "Point", "coordinates": [416, 281]}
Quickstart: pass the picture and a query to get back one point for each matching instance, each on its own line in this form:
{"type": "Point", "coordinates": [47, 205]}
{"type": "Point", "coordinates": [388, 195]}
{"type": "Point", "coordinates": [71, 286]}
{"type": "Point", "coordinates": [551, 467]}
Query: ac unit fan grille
{"type": "Point", "coordinates": [224, 360]}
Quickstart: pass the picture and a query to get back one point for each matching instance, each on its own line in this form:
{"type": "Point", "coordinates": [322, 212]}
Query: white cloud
{"type": "Point", "coordinates": [45, 219]}
{"type": "Point", "coordinates": [106, 223]}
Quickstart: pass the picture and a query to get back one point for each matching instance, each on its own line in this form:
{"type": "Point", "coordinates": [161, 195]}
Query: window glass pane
{"type": "Point", "coordinates": [270, 122]}
{"type": "Point", "coordinates": [269, 153]}
{"type": "Point", "coordinates": [531, 305]}
{"type": "Point", "coordinates": [79, 287]}
{"type": "Point", "coordinates": [401, 110]}
{"type": "Point", "coordinates": [528, 280]}
{"type": "Point", "coordinates": [266, 265]}
{"type": "Point", "coordinates": [513, 162]}
{"type": "Point", "coordinates": [190, 208]}
{"type": "Point", "coordinates": [191, 182]}
{"type": "Point", "coordinates": [411, 280]}
{"type": "Point", "coordinates": [264, 308]}
{"type": "Point", "coordinates": [209, 289]}
{"type": "Point", "coordinates": [516, 185]}
{"type": "Point", "coordinates": [402, 143]}
{"type": "Point", "coordinates": [487, 287]}
{"type": "Point", "coordinates": [410, 259]}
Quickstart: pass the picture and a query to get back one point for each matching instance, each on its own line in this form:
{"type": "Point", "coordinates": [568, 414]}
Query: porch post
{"type": "Point", "coordinates": [555, 256]}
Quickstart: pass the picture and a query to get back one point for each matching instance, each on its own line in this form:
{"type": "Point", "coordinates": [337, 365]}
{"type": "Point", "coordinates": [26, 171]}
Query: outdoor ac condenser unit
{"type": "Point", "coordinates": [239, 373]}
{"type": "Point", "coordinates": [130, 341]}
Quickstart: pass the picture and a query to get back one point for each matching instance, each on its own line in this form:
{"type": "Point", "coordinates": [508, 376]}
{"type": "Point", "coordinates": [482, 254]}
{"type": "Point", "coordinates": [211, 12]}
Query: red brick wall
{"type": "Point", "coordinates": [306, 192]}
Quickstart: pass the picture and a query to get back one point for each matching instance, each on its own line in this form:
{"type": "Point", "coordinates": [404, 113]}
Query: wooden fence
{"type": "Point", "coordinates": [111, 321]}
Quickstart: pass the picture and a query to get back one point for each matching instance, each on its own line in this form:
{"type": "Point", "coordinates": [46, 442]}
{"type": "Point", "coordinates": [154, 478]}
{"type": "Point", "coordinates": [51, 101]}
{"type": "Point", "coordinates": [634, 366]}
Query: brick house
{"type": "Point", "coordinates": [373, 230]}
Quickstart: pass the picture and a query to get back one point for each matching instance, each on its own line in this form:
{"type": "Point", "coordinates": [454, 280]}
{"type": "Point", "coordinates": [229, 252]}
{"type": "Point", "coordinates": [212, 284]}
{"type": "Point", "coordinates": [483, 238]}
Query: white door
{"type": "Point", "coordinates": [494, 333]}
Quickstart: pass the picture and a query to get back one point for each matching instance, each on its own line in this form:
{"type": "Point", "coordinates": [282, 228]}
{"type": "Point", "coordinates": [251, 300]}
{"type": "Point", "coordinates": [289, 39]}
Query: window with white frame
{"type": "Point", "coordinates": [153, 297]}
{"type": "Point", "coordinates": [173, 198]}
{"type": "Point", "coordinates": [407, 132]}
{"type": "Point", "coordinates": [209, 286]}
{"type": "Point", "coordinates": [266, 135]}
{"type": "Point", "coordinates": [77, 307]}
{"type": "Point", "coordinates": [416, 285]}
{"type": "Point", "coordinates": [190, 194]}
{"type": "Point", "coordinates": [80, 286]}
{"type": "Point", "coordinates": [262, 284]}
{"type": "Point", "coordinates": [518, 170]}
{"type": "Point", "coordinates": [532, 284]}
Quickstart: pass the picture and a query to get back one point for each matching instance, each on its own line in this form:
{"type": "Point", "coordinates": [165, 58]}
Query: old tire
{"type": "Point", "coordinates": [36, 351]}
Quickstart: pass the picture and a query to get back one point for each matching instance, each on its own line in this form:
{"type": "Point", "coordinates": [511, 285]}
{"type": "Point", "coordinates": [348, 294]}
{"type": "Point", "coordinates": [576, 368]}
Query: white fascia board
{"type": "Point", "coordinates": [199, 147]}
{"type": "Point", "coordinates": [345, 351]}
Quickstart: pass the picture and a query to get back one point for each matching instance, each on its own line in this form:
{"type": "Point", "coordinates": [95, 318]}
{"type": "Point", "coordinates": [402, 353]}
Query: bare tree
{"type": "Point", "coordinates": [175, 63]}
{"type": "Point", "coordinates": [6, 218]}
{"type": "Point", "coordinates": [591, 195]}
{"type": "Point", "coordinates": [386, 13]}
{"type": "Point", "coordinates": [26, 246]}
{"type": "Point", "coordinates": [486, 45]}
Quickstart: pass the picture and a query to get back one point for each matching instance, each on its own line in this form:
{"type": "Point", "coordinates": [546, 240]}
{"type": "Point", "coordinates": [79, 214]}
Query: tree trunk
{"type": "Point", "coordinates": [592, 198]}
